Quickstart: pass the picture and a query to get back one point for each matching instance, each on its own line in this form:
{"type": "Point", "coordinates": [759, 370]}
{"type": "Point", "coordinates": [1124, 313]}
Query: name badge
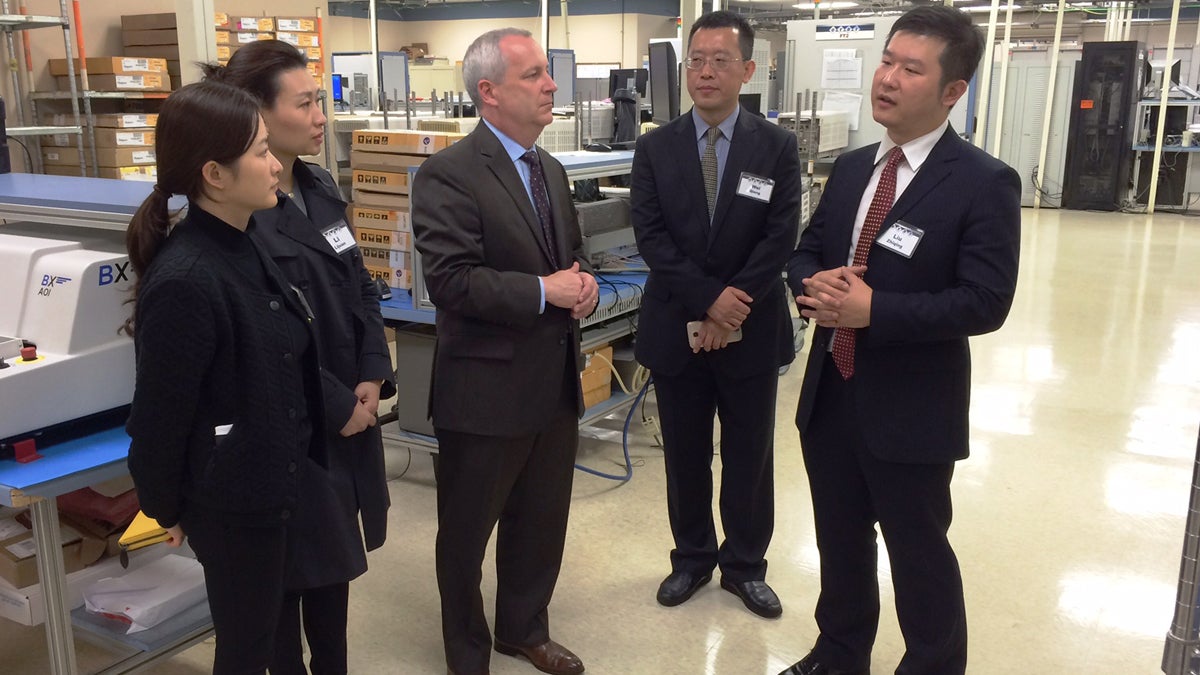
{"type": "Point", "coordinates": [901, 238]}
{"type": "Point", "coordinates": [755, 187]}
{"type": "Point", "coordinates": [339, 237]}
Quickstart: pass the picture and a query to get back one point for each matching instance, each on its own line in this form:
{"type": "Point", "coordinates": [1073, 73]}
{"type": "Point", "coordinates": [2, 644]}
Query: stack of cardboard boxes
{"type": "Point", "coordinates": [596, 378]}
{"type": "Point", "coordinates": [124, 148]}
{"type": "Point", "coordinates": [299, 31]}
{"type": "Point", "coordinates": [152, 36]}
{"type": "Point", "coordinates": [383, 164]}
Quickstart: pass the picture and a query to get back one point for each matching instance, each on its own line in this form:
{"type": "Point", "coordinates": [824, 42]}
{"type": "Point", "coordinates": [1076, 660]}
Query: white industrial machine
{"type": "Point", "coordinates": [62, 353]}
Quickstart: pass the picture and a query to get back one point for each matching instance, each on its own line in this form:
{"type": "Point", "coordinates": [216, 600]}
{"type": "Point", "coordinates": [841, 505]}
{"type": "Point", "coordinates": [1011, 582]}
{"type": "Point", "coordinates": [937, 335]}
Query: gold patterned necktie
{"type": "Point", "coordinates": [708, 167]}
{"type": "Point", "coordinates": [881, 203]}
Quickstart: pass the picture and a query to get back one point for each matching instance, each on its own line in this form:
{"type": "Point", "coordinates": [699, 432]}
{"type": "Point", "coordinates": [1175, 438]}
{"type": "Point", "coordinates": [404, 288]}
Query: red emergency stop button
{"type": "Point", "coordinates": [29, 353]}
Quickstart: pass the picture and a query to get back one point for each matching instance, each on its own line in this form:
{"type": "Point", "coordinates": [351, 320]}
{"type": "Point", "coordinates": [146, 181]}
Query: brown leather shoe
{"type": "Point", "coordinates": [548, 657]}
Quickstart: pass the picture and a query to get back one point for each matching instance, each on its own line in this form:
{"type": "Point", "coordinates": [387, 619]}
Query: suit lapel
{"type": "Point", "coordinates": [501, 166]}
{"type": "Point", "coordinates": [291, 222]}
{"type": "Point", "coordinates": [937, 166]}
{"type": "Point", "coordinates": [693, 179]}
{"type": "Point", "coordinates": [741, 149]}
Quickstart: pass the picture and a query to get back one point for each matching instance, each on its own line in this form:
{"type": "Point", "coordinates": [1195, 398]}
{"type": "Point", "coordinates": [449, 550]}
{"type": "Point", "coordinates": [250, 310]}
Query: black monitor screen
{"type": "Point", "coordinates": [627, 78]}
{"type": "Point", "coordinates": [751, 102]}
{"type": "Point", "coordinates": [664, 82]}
{"type": "Point", "coordinates": [337, 88]}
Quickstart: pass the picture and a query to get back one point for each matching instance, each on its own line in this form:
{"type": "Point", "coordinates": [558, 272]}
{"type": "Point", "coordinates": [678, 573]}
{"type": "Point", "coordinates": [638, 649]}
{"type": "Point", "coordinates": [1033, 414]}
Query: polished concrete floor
{"type": "Point", "coordinates": [1069, 514]}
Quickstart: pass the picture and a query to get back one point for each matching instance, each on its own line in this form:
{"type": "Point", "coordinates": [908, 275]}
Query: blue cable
{"type": "Point", "coordinates": [624, 441]}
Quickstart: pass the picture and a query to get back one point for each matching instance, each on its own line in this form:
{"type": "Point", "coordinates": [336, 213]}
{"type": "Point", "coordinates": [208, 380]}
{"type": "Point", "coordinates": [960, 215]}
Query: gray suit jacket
{"type": "Point", "coordinates": [499, 366]}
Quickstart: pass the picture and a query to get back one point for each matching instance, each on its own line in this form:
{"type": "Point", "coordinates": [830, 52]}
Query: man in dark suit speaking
{"type": "Point", "coordinates": [913, 249]}
{"type": "Point", "coordinates": [716, 196]}
{"type": "Point", "coordinates": [502, 255]}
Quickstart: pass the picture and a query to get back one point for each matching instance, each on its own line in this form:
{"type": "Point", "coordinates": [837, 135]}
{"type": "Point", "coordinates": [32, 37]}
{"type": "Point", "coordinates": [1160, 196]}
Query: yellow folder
{"type": "Point", "coordinates": [142, 532]}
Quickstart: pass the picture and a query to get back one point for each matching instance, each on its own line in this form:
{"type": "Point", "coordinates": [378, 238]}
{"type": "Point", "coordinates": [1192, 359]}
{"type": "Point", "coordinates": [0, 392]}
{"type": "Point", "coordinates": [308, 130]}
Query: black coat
{"type": "Point", "coordinates": [350, 336]}
{"type": "Point", "coordinates": [216, 347]}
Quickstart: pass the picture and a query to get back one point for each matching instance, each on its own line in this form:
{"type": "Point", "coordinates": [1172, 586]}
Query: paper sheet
{"type": "Point", "coordinates": [844, 100]}
{"type": "Point", "coordinates": [841, 69]}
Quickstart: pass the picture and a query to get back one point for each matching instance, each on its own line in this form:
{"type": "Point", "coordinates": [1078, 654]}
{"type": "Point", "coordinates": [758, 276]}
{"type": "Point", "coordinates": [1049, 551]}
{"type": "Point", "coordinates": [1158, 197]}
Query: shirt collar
{"type": "Point", "coordinates": [725, 126]}
{"type": "Point", "coordinates": [917, 150]}
{"type": "Point", "coordinates": [512, 147]}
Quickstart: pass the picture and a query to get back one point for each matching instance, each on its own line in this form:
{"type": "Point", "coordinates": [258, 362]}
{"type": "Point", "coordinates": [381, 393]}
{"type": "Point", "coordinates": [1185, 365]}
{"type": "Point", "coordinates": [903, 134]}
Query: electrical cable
{"type": "Point", "coordinates": [28, 156]}
{"type": "Point", "coordinates": [624, 443]}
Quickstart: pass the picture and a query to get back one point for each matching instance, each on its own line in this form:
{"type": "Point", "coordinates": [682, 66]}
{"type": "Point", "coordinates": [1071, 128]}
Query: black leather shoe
{"type": "Point", "coordinates": [679, 586]}
{"type": "Point", "coordinates": [757, 596]}
{"type": "Point", "coordinates": [810, 666]}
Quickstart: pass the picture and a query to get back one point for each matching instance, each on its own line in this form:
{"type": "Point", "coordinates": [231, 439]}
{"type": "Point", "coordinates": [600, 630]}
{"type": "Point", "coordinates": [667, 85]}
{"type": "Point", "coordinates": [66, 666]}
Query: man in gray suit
{"type": "Point", "coordinates": [503, 262]}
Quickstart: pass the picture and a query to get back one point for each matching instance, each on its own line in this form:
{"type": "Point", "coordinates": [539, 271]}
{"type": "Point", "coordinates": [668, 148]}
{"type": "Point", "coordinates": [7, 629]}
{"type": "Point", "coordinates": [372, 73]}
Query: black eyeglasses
{"type": "Point", "coordinates": [717, 62]}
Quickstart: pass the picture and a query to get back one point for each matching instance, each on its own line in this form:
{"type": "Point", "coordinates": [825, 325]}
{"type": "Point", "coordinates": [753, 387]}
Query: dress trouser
{"type": "Point", "coordinates": [325, 612]}
{"type": "Point", "coordinates": [687, 403]}
{"type": "Point", "coordinates": [851, 491]}
{"type": "Point", "coordinates": [244, 575]}
{"type": "Point", "coordinates": [524, 484]}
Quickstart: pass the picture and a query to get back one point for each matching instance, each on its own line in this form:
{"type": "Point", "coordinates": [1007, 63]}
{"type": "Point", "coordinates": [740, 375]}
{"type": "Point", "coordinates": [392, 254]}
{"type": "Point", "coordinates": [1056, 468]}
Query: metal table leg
{"type": "Point", "coordinates": [59, 637]}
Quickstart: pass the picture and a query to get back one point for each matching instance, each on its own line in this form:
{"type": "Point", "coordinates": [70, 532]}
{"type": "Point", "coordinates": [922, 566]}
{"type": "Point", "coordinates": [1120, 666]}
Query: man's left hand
{"type": "Point", "coordinates": [368, 395]}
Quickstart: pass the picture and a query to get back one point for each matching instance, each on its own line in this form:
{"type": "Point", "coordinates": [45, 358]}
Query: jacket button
{"type": "Point", "coordinates": [291, 413]}
{"type": "Point", "coordinates": [285, 514]}
{"type": "Point", "coordinates": [274, 305]}
{"type": "Point", "coordinates": [291, 467]}
{"type": "Point", "coordinates": [287, 356]}
{"type": "Point", "coordinates": [562, 340]}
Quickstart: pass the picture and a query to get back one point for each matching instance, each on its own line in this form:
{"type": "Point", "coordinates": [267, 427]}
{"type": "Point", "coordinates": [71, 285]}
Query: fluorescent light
{"type": "Point", "coordinates": [836, 4]}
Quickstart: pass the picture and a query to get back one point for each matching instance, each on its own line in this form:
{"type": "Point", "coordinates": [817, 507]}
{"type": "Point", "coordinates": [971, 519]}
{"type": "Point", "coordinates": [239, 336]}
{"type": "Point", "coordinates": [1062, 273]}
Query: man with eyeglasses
{"type": "Point", "coordinates": [715, 209]}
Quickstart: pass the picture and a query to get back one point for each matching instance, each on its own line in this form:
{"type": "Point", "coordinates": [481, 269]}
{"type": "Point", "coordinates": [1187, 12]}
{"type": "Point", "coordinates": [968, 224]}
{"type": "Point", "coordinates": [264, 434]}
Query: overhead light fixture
{"type": "Point", "coordinates": [835, 4]}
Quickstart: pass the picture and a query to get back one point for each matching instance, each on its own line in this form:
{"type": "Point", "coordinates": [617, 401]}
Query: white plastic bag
{"type": "Point", "coordinates": [149, 595]}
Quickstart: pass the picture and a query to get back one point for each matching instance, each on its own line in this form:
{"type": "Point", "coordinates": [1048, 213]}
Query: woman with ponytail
{"type": "Point", "coordinates": [226, 425]}
{"type": "Point", "coordinates": [305, 232]}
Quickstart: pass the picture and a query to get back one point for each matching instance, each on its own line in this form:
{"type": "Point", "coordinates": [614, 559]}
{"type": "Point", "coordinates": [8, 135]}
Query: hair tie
{"type": "Point", "coordinates": [159, 189]}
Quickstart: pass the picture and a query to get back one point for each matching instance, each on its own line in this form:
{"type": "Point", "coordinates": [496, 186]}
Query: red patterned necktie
{"type": "Point", "coordinates": [881, 203]}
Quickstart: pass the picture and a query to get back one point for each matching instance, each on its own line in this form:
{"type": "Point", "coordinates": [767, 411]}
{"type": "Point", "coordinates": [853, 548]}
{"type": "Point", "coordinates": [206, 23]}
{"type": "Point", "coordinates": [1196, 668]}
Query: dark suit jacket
{"type": "Point", "coordinates": [349, 328]}
{"type": "Point", "coordinates": [499, 366]}
{"type": "Point", "coordinates": [691, 262]}
{"type": "Point", "coordinates": [214, 348]}
{"type": "Point", "coordinates": [912, 380]}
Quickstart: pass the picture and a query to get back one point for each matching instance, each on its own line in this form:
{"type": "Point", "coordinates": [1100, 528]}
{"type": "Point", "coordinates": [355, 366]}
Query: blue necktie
{"type": "Point", "coordinates": [541, 202]}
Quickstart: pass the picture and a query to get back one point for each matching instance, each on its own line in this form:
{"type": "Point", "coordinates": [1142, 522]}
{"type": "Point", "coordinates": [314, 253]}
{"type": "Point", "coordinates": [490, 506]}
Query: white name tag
{"type": "Point", "coordinates": [755, 187]}
{"type": "Point", "coordinates": [222, 429]}
{"type": "Point", "coordinates": [339, 237]}
{"type": "Point", "coordinates": [901, 238]}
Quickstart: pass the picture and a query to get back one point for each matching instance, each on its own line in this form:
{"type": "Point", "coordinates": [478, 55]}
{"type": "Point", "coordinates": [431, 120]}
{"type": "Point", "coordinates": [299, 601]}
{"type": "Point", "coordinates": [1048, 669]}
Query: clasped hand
{"type": "Point", "coordinates": [837, 298]}
{"type": "Point", "coordinates": [573, 290]}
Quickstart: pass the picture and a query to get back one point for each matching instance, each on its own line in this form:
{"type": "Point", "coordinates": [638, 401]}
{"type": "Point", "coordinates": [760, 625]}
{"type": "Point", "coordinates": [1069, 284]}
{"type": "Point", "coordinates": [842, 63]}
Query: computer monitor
{"type": "Point", "coordinates": [627, 78]}
{"type": "Point", "coordinates": [664, 83]}
{"type": "Point", "coordinates": [337, 88]}
{"type": "Point", "coordinates": [751, 102]}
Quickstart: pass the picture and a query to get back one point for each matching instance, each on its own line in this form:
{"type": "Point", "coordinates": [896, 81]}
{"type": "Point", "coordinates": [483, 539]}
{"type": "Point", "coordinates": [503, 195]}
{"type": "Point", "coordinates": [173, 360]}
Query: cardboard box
{"type": "Point", "coordinates": [133, 38]}
{"type": "Point", "coordinates": [384, 161]}
{"type": "Point", "coordinates": [596, 378]}
{"type": "Point", "coordinates": [169, 52]}
{"type": "Point", "coordinates": [404, 141]}
{"type": "Point", "coordinates": [296, 24]}
{"type": "Point", "coordinates": [18, 555]}
{"type": "Point", "coordinates": [221, 20]}
{"type": "Point", "coordinates": [223, 37]}
{"type": "Point", "coordinates": [223, 52]}
{"type": "Point", "coordinates": [299, 39]}
{"type": "Point", "coordinates": [252, 24]}
{"type": "Point", "coordinates": [247, 38]}
{"type": "Point", "coordinates": [28, 607]}
{"type": "Point", "coordinates": [316, 68]}
{"type": "Point", "coordinates": [387, 240]}
{"type": "Point", "coordinates": [140, 121]}
{"type": "Point", "coordinates": [112, 157]}
{"type": "Point", "coordinates": [112, 65]}
{"type": "Point", "coordinates": [146, 82]}
{"type": "Point", "coordinates": [108, 138]}
{"type": "Point", "coordinates": [386, 258]}
{"type": "Point", "coordinates": [148, 21]}
{"type": "Point", "coordinates": [312, 53]}
{"type": "Point", "coordinates": [395, 278]}
{"type": "Point", "coordinates": [173, 70]}
{"type": "Point", "coordinates": [381, 200]}
{"type": "Point", "coordinates": [139, 173]}
{"type": "Point", "coordinates": [380, 219]}
{"type": "Point", "coordinates": [380, 181]}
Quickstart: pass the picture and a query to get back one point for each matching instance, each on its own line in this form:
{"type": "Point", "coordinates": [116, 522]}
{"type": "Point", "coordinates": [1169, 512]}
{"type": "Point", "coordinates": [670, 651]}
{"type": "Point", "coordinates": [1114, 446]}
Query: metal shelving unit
{"type": "Point", "coordinates": [17, 23]}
